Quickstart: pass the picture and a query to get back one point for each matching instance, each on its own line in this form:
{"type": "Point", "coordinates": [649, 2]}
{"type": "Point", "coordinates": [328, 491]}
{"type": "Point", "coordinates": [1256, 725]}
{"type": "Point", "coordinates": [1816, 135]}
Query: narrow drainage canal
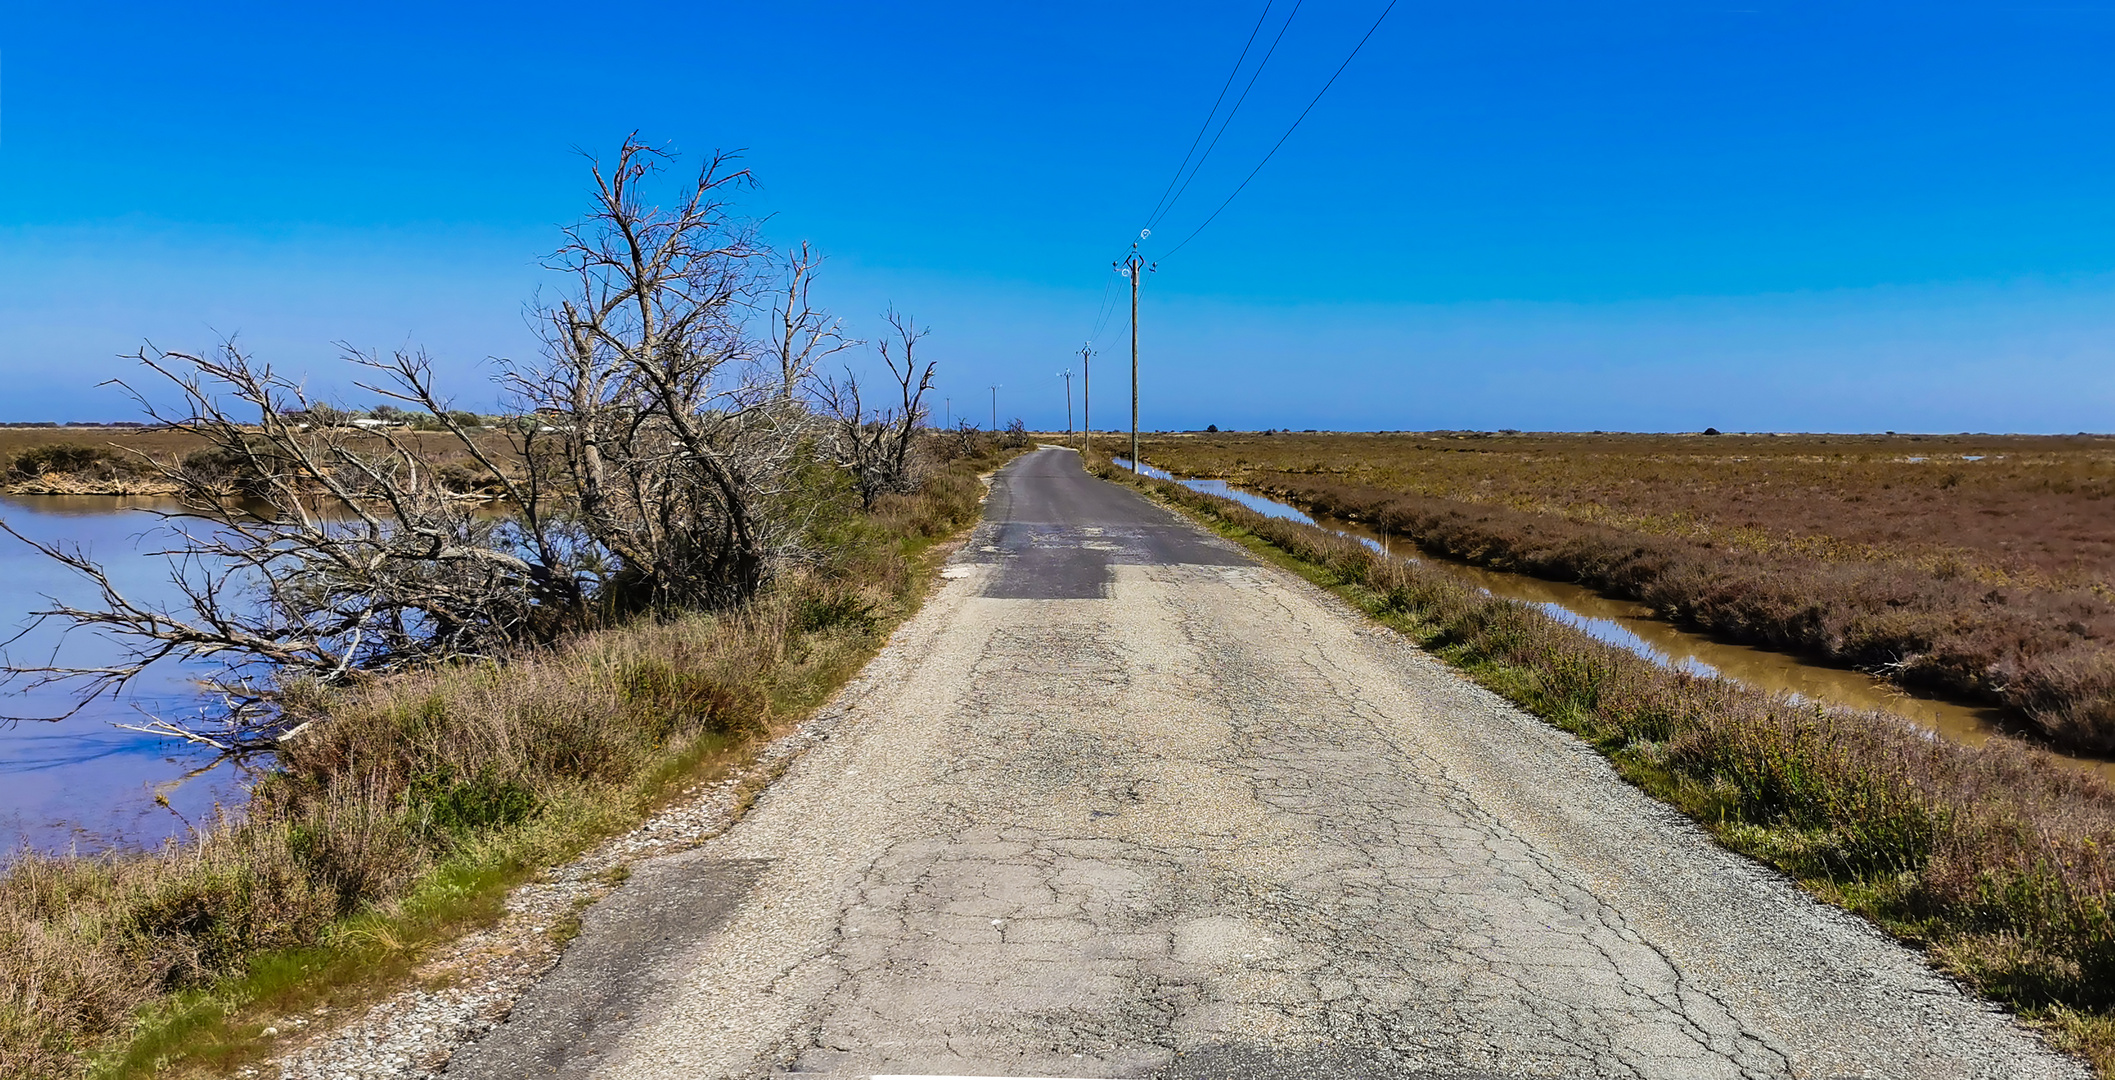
{"type": "Point", "coordinates": [1632, 626]}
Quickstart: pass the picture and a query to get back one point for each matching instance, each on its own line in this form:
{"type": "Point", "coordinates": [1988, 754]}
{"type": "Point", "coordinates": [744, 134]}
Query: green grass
{"type": "Point", "coordinates": [213, 1029]}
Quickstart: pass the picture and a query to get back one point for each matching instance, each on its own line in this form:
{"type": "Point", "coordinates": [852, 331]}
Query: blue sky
{"type": "Point", "coordinates": [1752, 215]}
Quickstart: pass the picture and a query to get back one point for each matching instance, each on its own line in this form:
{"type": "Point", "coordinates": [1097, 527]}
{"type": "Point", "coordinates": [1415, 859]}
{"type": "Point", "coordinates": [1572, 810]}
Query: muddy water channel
{"type": "Point", "coordinates": [81, 784]}
{"type": "Point", "coordinates": [1632, 626]}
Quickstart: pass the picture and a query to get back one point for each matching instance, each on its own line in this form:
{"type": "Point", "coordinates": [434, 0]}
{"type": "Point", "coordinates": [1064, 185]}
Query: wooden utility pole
{"type": "Point", "coordinates": [1068, 400]}
{"type": "Point", "coordinates": [1133, 266]}
{"type": "Point", "coordinates": [1086, 398]}
{"type": "Point", "coordinates": [1134, 358]}
{"type": "Point", "coordinates": [995, 407]}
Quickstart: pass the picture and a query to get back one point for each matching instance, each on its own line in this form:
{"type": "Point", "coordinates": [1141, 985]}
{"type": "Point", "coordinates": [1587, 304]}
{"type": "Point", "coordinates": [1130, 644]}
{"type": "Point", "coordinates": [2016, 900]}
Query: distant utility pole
{"type": "Point", "coordinates": [948, 410]}
{"type": "Point", "coordinates": [1067, 373]}
{"type": "Point", "coordinates": [1086, 407]}
{"type": "Point", "coordinates": [995, 407]}
{"type": "Point", "coordinates": [1134, 266]}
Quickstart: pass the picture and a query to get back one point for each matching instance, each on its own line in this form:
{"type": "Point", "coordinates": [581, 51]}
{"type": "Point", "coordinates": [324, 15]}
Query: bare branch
{"type": "Point", "coordinates": [876, 447]}
{"type": "Point", "coordinates": [655, 466]}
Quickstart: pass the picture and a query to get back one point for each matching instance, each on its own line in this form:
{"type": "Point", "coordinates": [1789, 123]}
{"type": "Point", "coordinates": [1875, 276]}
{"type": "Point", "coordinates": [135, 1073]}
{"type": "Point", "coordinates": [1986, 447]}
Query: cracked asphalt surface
{"type": "Point", "coordinates": [1122, 802]}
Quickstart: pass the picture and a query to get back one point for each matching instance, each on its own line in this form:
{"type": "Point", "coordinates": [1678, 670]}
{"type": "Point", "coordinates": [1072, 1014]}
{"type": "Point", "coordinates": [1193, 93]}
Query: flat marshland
{"type": "Point", "coordinates": [159, 441]}
{"type": "Point", "coordinates": [118, 459]}
{"type": "Point", "coordinates": [1977, 566]}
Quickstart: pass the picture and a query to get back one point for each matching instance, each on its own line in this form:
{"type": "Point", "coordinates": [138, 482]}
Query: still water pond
{"type": "Point", "coordinates": [81, 784]}
{"type": "Point", "coordinates": [1632, 626]}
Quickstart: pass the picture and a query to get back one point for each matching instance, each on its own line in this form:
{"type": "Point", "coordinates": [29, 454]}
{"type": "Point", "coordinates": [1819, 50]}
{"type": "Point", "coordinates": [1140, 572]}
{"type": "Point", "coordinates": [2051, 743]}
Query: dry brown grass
{"type": "Point", "coordinates": [1997, 860]}
{"type": "Point", "coordinates": [1988, 578]}
{"type": "Point", "coordinates": [2031, 510]}
{"type": "Point", "coordinates": [157, 441]}
{"type": "Point", "coordinates": [415, 799]}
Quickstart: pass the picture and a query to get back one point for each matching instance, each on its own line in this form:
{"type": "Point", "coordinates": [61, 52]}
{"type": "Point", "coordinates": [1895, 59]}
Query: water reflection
{"type": "Point", "coordinates": [1268, 507]}
{"type": "Point", "coordinates": [80, 784]}
{"type": "Point", "coordinates": [1633, 627]}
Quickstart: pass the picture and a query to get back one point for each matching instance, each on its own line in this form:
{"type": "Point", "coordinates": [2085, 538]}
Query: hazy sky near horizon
{"type": "Point", "coordinates": [1563, 215]}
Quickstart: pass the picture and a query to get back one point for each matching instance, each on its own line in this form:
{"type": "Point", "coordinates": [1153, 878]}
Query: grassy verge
{"type": "Point", "coordinates": [406, 813]}
{"type": "Point", "coordinates": [1994, 860]}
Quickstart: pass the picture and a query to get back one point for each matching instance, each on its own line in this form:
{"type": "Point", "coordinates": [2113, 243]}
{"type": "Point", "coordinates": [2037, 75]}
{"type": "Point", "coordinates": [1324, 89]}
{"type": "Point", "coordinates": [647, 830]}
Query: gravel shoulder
{"type": "Point", "coordinates": [1120, 801]}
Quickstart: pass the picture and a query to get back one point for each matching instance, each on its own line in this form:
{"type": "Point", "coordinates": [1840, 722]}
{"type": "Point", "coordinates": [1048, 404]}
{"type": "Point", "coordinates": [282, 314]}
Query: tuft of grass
{"type": "Point", "coordinates": [406, 811]}
{"type": "Point", "coordinates": [1996, 860]}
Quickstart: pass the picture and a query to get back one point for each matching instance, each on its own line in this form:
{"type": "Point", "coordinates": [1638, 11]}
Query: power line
{"type": "Point", "coordinates": [1167, 203]}
{"type": "Point", "coordinates": [1108, 307]}
{"type": "Point", "coordinates": [1288, 133]}
{"type": "Point", "coordinates": [1221, 133]}
{"type": "Point", "coordinates": [1207, 125]}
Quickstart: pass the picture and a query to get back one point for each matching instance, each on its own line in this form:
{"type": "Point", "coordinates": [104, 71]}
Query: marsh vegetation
{"type": "Point", "coordinates": [1978, 566]}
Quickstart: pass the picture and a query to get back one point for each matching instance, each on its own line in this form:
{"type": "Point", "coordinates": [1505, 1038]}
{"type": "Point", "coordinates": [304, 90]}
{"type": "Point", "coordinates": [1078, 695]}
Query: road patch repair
{"type": "Point", "coordinates": [1122, 802]}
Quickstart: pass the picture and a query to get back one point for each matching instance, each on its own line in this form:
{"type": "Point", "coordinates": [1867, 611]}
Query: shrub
{"type": "Point", "coordinates": [440, 800]}
{"type": "Point", "coordinates": [99, 462]}
{"type": "Point", "coordinates": [836, 608]}
{"type": "Point", "coordinates": [225, 466]}
{"type": "Point", "coordinates": [465, 480]}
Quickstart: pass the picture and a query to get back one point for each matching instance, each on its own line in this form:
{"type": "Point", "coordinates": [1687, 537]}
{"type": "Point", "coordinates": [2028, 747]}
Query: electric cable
{"type": "Point", "coordinates": [1107, 308]}
{"type": "Point", "coordinates": [1221, 133]}
{"type": "Point", "coordinates": [1166, 203]}
{"type": "Point", "coordinates": [1288, 134]}
{"type": "Point", "coordinates": [1207, 125]}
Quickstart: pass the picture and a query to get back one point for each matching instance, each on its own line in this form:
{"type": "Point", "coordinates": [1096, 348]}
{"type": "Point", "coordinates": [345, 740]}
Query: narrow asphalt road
{"type": "Point", "coordinates": [1121, 802]}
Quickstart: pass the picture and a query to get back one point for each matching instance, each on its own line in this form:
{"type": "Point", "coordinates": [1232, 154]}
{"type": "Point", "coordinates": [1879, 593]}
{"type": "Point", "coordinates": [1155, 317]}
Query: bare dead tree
{"type": "Point", "coordinates": [876, 446]}
{"type": "Point", "coordinates": [655, 468]}
{"type": "Point", "coordinates": [675, 437]}
{"type": "Point", "coordinates": [805, 336]}
{"type": "Point", "coordinates": [335, 549]}
{"type": "Point", "coordinates": [963, 440]}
